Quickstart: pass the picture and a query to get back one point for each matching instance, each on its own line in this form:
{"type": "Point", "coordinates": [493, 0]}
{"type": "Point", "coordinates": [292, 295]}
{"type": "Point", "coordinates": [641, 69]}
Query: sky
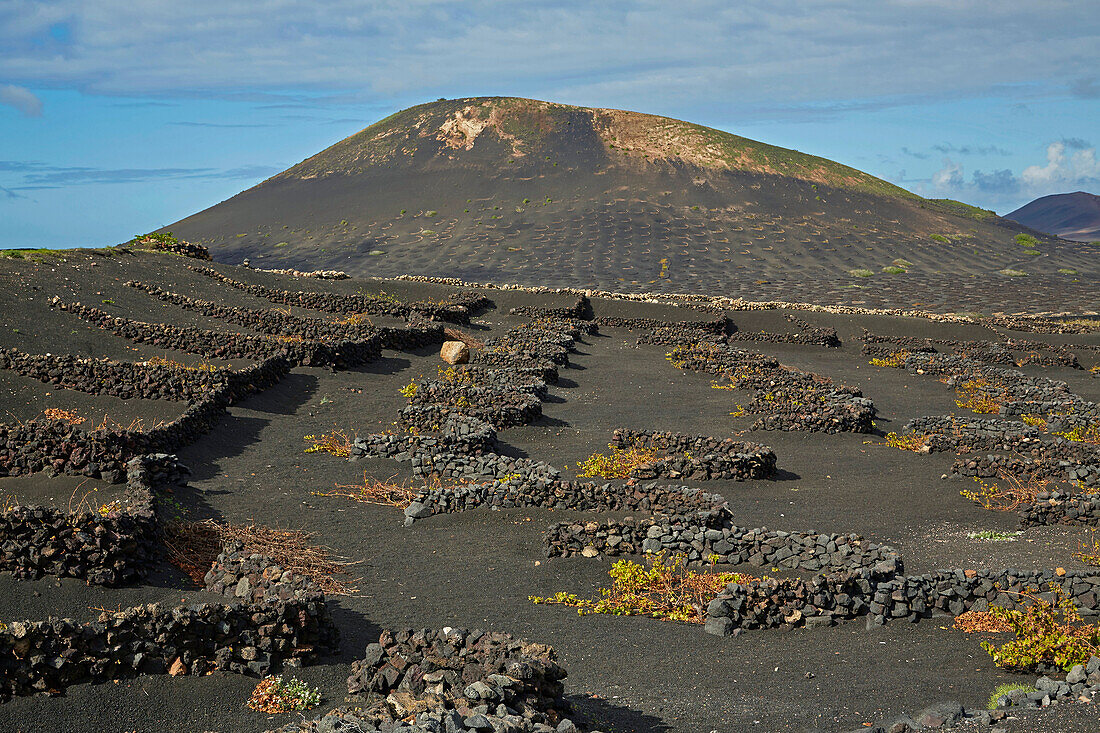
{"type": "Point", "coordinates": [118, 118]}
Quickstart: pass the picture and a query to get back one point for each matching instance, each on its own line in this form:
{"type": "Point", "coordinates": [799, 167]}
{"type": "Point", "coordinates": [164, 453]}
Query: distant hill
{"type": "Point", "coordinates": [517, 190]}
{"type": "Point", "coordinates": [1074, 216]}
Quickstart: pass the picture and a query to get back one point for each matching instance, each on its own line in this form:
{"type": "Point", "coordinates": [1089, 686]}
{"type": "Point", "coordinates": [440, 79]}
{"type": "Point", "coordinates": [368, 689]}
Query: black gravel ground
{"type": "Point", "coordinates": [477, 569]}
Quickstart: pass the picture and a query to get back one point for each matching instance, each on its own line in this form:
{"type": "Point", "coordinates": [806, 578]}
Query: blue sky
{"type": "Point", "coordinates": [120, 117]}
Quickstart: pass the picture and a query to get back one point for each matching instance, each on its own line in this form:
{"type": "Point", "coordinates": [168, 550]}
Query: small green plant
{"type": "Point", "coordinates": [1003, 690]}
{"type": "Point", "coordinates": [940, 238]}
{"type": "Point", "coordinates": [409, 390]}
{"type": "Point", "coordinates": [1068, 271]}
{"type": "Point", "coordinates": [990, 535]}
{"type": "Point", "coordinates": [861, 272]}
{"type": "Point", "coordinates": [894, 270]}
{"type": "Point", "coordinates": [430, 212]}
{"type": "Point", "coordinates": [1032, 252]}
{"type": "Point", "coordinates": [903, 263]}
{"type": "Point", "coordinates": [1009, 272]}
{"type": "Point", "coordinates": [107, 301]}
{"type": "Point", "coordinates": [1026, 240]}
{"type": "Point", "coordinates": [276, 695]}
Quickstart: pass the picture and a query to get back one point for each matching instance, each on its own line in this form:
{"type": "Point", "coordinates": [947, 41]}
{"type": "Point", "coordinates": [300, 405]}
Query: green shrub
{"type": "Point", "coordinates": [902, 263]}
{"type": "Point", "coordinates": [1026, 240]}
{"type": "Point", "coordinates": [1067, 271]}
{"type": "Point", "coordinates": [894, 270]}
{"type": "Point", "coordinates": [861, 272]}
{"type": "Point", "coordinates": [1032, 252]}
{"type": "Point", "coordinates": [940, 238]}
{"type": "Point", "coordinates": [1008, 272]}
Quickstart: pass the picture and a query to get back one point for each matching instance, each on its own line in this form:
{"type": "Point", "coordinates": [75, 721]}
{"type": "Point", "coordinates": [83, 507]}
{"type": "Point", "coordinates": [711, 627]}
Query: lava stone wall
{"type": "Point", "coordinates": [176, 247]}
{"type": "Point", "coordinates": [964, 434]}
{"type": "Point", "coordinates": [994, 465]}
{"type": "Point", "coordinates": [1056, 507]}
{"type": "Point", "coordinates": [701, 535]}
{"type": "Point", "coordinates": [717, 326]}
{"type": "Point", "coordinates": [581, 309]}
{"type": "Point", "coordinates": [454, 310]}
{"type": "Point", "coordinates": [104, 548]}
{"type": "Point", "coordinates": [808, 334]}
{"type": "Point", "coordinates": [458, 434]}
{"type": "Point", "coordinates": [246, 638]}
{"type": "Point", "coordinates": [674, 334]}
{"type": "Point", "coordinates": [785, 398]}
{"type": "Point", "coordinates": [224, 345]}
{"type": "Point", "coordinates": [884, 596]}
{"type": "Point", "coordinates": [58, 447]}
{"type": "Point", "coordinates": [544, 489]}
{"type": "Point", "coordinates": [712, 458]}
{"type": "Point", "coordinates": [125, 380]}
{"type": "Point", "coordinates": [543, 369]}
{"type": "Point", "coordinates": [454, 680]}
{"type": "Point", "coordinates": [461, 468]}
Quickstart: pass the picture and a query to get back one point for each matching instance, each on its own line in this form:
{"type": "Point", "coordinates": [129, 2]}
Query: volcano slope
{"type": "Point", "coordinates": [831, 669]}
{"type": "Point", "coordinates": [516, 190]}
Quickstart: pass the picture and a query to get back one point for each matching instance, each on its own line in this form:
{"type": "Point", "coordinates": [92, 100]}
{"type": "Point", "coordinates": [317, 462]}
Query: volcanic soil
{"type": "Point", "coordinates": [476, 569]}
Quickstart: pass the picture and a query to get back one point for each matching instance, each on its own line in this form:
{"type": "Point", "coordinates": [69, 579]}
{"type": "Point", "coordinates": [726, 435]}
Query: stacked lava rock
{"type": "Point", "coordinates": [808, 334]}
{"type": "Point", "coordinates": [456, 680]}
{"type": "Point", "coordinates": [581, 309]}
{"type": "Point", "coordinates": [785, 398]}
{"type": "Point", "coordinates": [702, 536]}
{"type": "Point", "coordinates": [223, 345]}
{"type": "Point", "coordinates": [698, 457]}
{"type": "Point", "coordinates": [167, 243]}
{"type": "Point", "coordinates": [455, 309]}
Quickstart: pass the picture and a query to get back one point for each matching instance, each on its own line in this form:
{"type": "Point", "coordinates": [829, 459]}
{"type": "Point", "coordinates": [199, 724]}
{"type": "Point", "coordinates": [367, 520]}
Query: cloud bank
{"type": "Point", "coordinates": [1071, 165]}
{"type": "Point", "coordinates": [740, 54]}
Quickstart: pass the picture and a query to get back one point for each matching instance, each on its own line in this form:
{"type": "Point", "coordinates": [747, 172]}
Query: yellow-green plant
{"type": "Point", "coordinates": [1047, 632]}
{"type": "Point", "coordinates": [664, 589]}
{"type": "Point", "coordinates": [896, 360]}
{"type": "Point", "coordinates": [973, 395]}
{"type": "Point", "coordinates": [337, 443]}
{"type": "Point", "coordinates": [911, 441]}
{"type": "Point", "coordinates": [619, 463]}
{"type": "Point", "coordinates": [1082, 434]}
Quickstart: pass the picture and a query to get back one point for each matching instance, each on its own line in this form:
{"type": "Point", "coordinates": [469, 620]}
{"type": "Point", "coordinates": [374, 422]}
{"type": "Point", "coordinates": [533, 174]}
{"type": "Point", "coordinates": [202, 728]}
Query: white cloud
{"type": "Point", "coordinates": [1063, 169]}
{"type": "Point", "coordinates": [950, 176]}
{"type": "Point", "coordinates": [21, 99]}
